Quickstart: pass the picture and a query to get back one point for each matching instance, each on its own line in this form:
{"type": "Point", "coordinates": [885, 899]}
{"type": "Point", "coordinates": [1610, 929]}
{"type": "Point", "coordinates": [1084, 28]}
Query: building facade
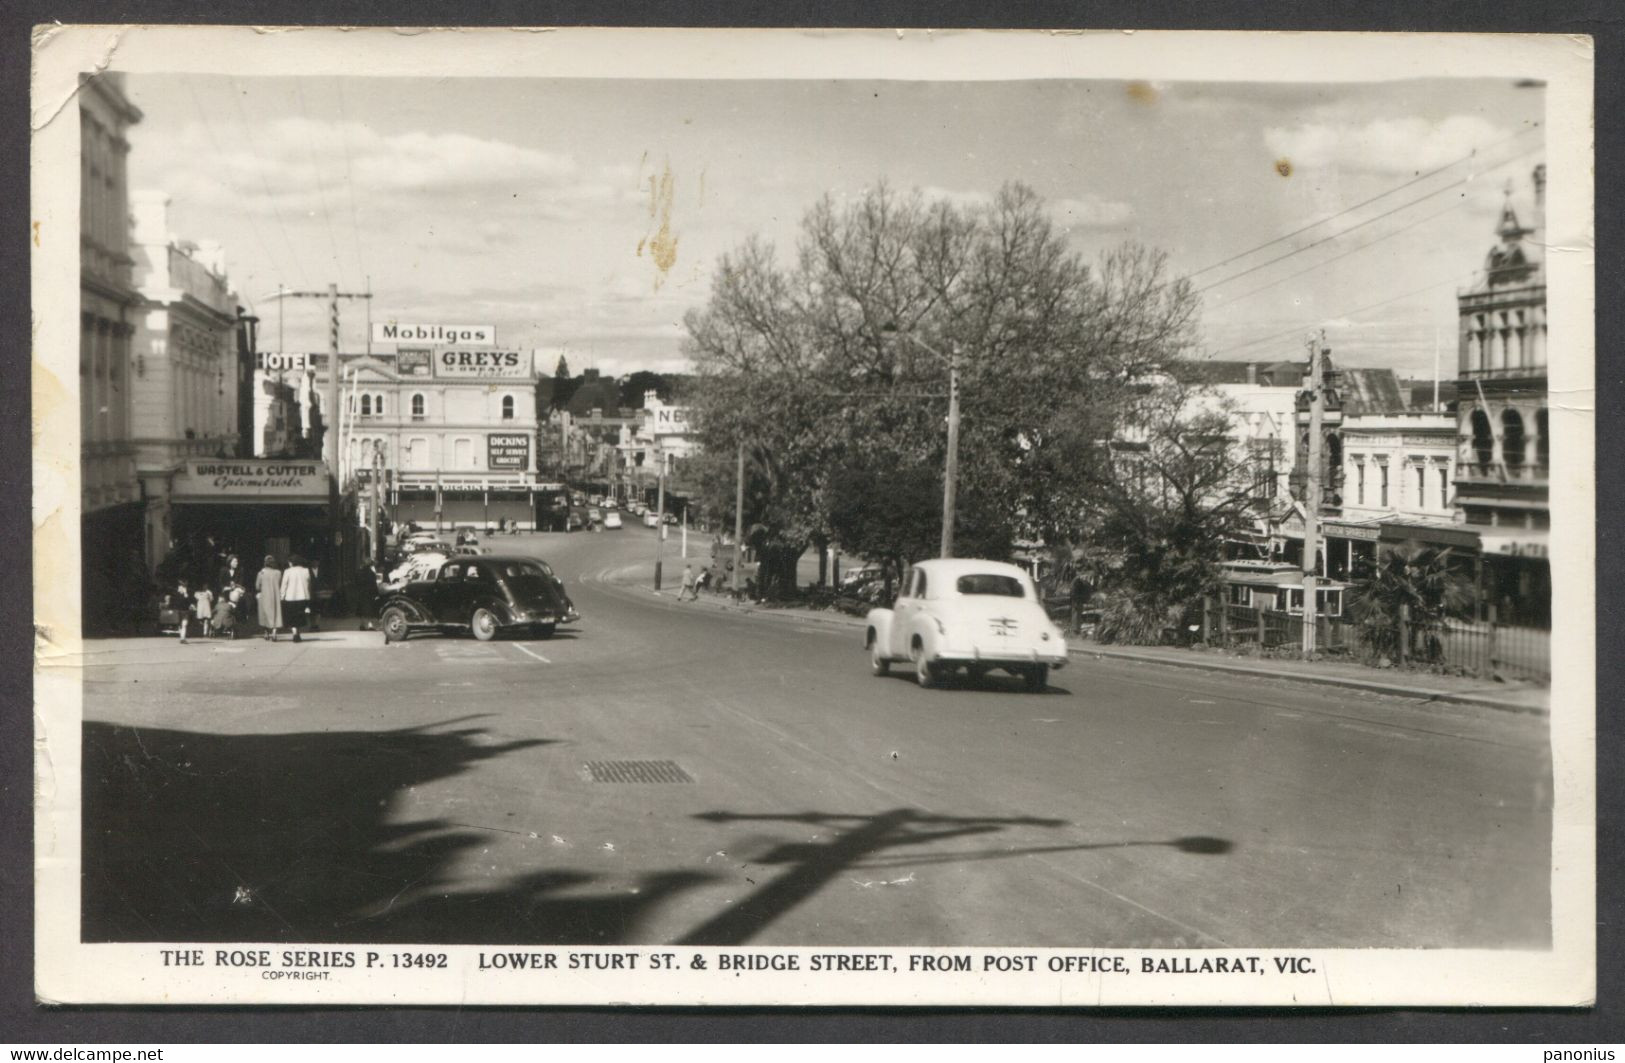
{"type": "Point", "coordinates": [1504, 459]}
{"type": "Point", "coordinates": [110, 489]}
{"type": "Point", "coordinates": [185, 380]}
{"type": "Point", "coordinates": [451, 430]}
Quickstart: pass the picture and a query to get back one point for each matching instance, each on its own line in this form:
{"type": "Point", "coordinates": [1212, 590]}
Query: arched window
{"type": "Point", "coordinates": [1543, 452]}
{"type": "Point", "coordinates": [417, 407]}
{"type": "Point", "coordinates": [507, 407]}
{"type": "Point", "coordinates": [378, 405]}
{"type": "Point", "coordinates": [1483, 438]}
{"type": "Point", "coordinates": [1512, 441]}
{"type": "Point", "coordinates": [366, 405]}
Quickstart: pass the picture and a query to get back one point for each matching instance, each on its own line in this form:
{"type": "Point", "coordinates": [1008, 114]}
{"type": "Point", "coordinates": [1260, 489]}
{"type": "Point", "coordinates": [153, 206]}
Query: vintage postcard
{"type": "Point", "coordinates": [851, 517]}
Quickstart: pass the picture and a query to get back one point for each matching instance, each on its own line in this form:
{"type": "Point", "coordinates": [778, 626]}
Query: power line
{"type": "Point", "coordinates": [275, 210]}
{"type": "Point", "coordinates": [1361, 224]}
{"type": "Point", "coordinates": [349, 177]}
{"type": "Point", "coordinates": [1353, 250]}
{"type": "Point", "coordinates": [316, 171]}
{"type": "Point", "coordinates": [1346, 313]}
{"type": "Point", "coordinates": [219, 154]}
{"type": "Point", "coordinates": [1366, 203]}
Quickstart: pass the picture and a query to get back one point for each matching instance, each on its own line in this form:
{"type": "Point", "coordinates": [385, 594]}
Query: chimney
{"type": "Point", "coordinates": [1252, 372]}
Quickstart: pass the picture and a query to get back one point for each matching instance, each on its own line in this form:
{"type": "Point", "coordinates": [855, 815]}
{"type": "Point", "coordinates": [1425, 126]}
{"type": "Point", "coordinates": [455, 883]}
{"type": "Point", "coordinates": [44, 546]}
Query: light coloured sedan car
{"type": "Point", "coordinates": [957, 613]}
{"type": "Point", "coordinates": [612, 519]}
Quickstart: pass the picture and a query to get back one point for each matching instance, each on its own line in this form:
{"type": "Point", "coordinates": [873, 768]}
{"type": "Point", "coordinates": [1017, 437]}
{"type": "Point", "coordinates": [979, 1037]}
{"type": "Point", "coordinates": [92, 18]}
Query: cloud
{"type": "Point", "coordinates": [297, 165]}
{"type": "Point", "coordinates": [1388, 146]}
{"type": "Point", "coordinates": [1091, 212]}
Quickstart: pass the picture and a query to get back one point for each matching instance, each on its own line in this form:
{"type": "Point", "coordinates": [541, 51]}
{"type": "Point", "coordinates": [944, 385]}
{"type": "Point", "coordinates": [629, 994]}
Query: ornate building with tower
{"type": "Point", "coordinates": [1504, 458]}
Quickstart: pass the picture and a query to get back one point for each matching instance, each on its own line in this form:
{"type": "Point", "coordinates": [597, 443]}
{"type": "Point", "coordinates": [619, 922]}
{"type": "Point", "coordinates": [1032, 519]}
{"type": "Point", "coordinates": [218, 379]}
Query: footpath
{"type": "Point", "coordinates": [1518, 697]}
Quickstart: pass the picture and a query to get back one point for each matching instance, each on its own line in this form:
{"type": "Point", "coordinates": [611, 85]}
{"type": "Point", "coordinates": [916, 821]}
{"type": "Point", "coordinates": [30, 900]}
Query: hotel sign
{"type": "Point", "coordinates": [456, 363]}
{"type": "Point", "coordinates": [249, 479]}
{"type": "Point", "coordinates": [463, 335]}
{"type": "Point", "coordinates": [280, 362]}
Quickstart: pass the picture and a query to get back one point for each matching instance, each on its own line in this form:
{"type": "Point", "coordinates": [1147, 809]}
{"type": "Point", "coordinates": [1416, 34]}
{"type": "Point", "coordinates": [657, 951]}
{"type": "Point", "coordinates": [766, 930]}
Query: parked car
{"type": "Point", "coordinates": [473, 550]}
{"type": "Point", "coordinates": [416, 545]}
{"type": "Point", "coordinates": [486, 595]}
{"type": "Point", "coordinates": [651, 519]}
{"type": "Point", "coordinates": [959, 613]}
{"type": "Point", "coordinates": [612, 519]}
{"type": "Point", "coordinates": [594, 515]}
{"type": "Point", "coordinates": [610, 503]}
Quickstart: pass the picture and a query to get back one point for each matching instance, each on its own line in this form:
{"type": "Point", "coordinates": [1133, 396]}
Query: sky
{"type": "Point", "coordinates": [586, 216]}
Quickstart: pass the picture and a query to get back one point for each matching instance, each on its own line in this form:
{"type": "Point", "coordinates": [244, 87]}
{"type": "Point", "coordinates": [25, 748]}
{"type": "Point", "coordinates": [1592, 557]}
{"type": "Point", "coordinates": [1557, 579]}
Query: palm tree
{"type": "Point", "coordinates": [1419, 578]}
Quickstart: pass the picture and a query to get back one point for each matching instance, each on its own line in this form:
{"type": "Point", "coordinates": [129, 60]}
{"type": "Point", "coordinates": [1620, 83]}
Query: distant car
{"type": "Point", "coordinates": [651, 519]}
{"type": "Point", "coordinates": [472, 550]}
{"type": "Point", "coordinates": [612, 519]}
{"type": "Point", "coordinates": [959, 613]}
{"type": "Point", "coordinates": [594, 515]}
{"type": "Point", "coordinates": [426, 546]}
{"type": "Point", "coordinates": [609, 503]}
{"type": "Point", "coordinates": [486, 595]}
{"type": "Point", "coordinates": [671, 518]}
{"type": "Point", "coordinates": [573, 521]}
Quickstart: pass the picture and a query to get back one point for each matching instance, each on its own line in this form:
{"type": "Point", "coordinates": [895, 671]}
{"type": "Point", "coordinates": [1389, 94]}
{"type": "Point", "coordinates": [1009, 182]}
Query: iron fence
{"type": "Point", "coordinates": [1477, 647]}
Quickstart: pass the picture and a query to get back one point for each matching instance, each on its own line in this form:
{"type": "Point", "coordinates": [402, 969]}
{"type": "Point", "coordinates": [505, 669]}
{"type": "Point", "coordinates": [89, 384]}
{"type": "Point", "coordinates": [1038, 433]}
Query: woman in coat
{"type": "Point", "coordinates": [268, 592]}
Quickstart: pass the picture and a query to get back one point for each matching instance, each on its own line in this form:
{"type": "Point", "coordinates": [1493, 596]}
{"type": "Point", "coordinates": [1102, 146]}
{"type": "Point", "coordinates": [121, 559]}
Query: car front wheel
{"type": "Point", "coordinates": [1037, 678]}
{"type": "Point", "coordinates": [484, 624]}
{"type": "Point", "coordinates": [878, 664]}
{"type": "Point", "coordinates": [395, 625]}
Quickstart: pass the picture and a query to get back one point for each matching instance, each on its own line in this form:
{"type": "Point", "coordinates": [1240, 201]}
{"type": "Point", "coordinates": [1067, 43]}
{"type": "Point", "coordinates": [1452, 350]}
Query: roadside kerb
{"type": "Point", "coordinates": [1228, 667]}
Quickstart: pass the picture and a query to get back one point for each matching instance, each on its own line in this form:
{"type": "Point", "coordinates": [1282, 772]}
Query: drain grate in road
{"type": "Point", "coordinates": [637, 771]}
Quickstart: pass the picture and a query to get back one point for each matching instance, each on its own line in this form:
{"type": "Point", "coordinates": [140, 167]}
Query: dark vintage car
{"type": "Point", "coordinates": [485, 594]}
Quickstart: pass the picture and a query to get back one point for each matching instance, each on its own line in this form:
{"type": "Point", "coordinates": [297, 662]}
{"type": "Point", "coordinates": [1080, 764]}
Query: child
{"type": "Point", "coordinates": [180, 599]}
{"type": "Point", "coordinates": [205, 608]}
{"type": "Point", "coordinates": [225, 617]}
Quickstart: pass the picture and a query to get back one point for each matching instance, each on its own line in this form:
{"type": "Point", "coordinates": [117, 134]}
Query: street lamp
{"type": "Point", "coordinates": [950, 475]}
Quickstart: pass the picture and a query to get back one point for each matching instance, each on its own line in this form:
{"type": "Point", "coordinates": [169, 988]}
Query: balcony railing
{"type": "Point", "coordinates": [1501, 473]}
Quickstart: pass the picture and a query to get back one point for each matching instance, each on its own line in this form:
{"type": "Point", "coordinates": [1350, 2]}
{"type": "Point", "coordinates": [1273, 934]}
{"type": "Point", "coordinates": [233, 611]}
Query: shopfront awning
{"type": "Point", "coordinates": [251, 482]}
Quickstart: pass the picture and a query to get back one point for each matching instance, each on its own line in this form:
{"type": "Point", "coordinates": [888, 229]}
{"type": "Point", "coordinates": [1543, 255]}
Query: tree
{"type": "Point", "coordinates": [1420, 583]}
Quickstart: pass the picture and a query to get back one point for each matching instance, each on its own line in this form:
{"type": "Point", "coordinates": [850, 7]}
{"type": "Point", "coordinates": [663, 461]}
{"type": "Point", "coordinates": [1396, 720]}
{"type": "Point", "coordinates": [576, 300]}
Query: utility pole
{"type": "Point", "coordinates": [330, 442]}
{"type": "Point", "coordinates": [950, 476]}
{"type": "Point", "coordinates": [660, 518]}
{"type": "Point", "coordinates": [377, 500]}
{"type": "Point", "coordinates": [739, 518]}
{"type": "Point", "coordinates": [1311, 508]}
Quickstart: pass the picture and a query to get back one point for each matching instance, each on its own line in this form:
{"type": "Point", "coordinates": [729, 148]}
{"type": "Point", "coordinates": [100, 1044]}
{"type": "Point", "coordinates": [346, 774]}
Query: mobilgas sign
{"type": "Point", "coordinates": [455, 363]}
{"type": "Point", "coordinates": [403, 332]}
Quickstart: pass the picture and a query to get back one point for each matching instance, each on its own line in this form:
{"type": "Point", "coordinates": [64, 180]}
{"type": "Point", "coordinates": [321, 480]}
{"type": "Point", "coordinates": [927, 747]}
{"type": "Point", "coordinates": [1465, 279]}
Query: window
{"type": "Point", "coordinates": [1512, 448]}
{"type": "Point", "coordinates": [366, 405]}
{"type": "Point", "coordinates": [507, 407]}
{"type": "Point", "coordinates": [1359, 482]}
{"type": "Point", "coordinates": [463, 449]}
{"type": "Point", "coordinates": [1331, 602]}
{"type": "Point", "coordinates": [991, 583]}
{"type": "Point", "coordinates": [378, 405]}
{"type": "Point", "coordinates": [452, 572]}
{"type": "Point", "coordinates": [1241, 594]}
{"type": "Point", "coordinates": [1382, 472]}
{"type": "Point", "coordinates": [417, 408]}
{"type": "Point", "coordinates": [1483, 440]}
{"type": "Point", "coordinates": [919, 583]}
{"type": "Point", "coordinates": [1421, 485]}
{"type": "Point", "coordinates": [1543, 453]}
{"type": "Point", "coordinates": [1444, 487]}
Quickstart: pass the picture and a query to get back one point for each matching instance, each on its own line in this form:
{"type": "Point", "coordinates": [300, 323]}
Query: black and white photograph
{"type": "Point", "coordinates": [782, 518]}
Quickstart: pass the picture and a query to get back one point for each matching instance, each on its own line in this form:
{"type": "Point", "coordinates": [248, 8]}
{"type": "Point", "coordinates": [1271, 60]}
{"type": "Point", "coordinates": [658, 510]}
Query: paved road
{"type": "Point", "coordinates": [439, 791]}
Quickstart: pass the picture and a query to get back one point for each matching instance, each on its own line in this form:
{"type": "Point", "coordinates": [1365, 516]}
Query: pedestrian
{"type": "Point", "coordinates": [180, 600]}
{"type": "Point", "coordinates": [296, 595]}
{"type": "Point", "coordinates": [268, 589]}
{"type": "Point", "coordinates": [205, 608]}
{"type": "Point", "coordinates": [367, 594]}
{"type": "Point", "coordinates": [688, 589]}
{"type": "Point", "coordinates": [225, 617]}
{"type": "Point", "coordinates": [230, 572]}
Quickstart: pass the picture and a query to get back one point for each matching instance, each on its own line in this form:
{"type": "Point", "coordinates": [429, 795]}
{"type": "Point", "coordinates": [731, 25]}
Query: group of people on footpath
{"type": "Point", "coordinates": [281, 597]}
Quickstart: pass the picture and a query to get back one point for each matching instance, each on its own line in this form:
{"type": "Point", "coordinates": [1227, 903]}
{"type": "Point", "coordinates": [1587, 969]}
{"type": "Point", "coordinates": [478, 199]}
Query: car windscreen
{"type": "Point", "coordinates": [990, 583]}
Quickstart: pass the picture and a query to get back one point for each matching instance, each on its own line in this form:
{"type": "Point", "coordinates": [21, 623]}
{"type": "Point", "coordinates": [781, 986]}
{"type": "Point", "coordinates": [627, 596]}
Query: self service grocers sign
{"type": "Point", "coordinates": [457, 363]}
